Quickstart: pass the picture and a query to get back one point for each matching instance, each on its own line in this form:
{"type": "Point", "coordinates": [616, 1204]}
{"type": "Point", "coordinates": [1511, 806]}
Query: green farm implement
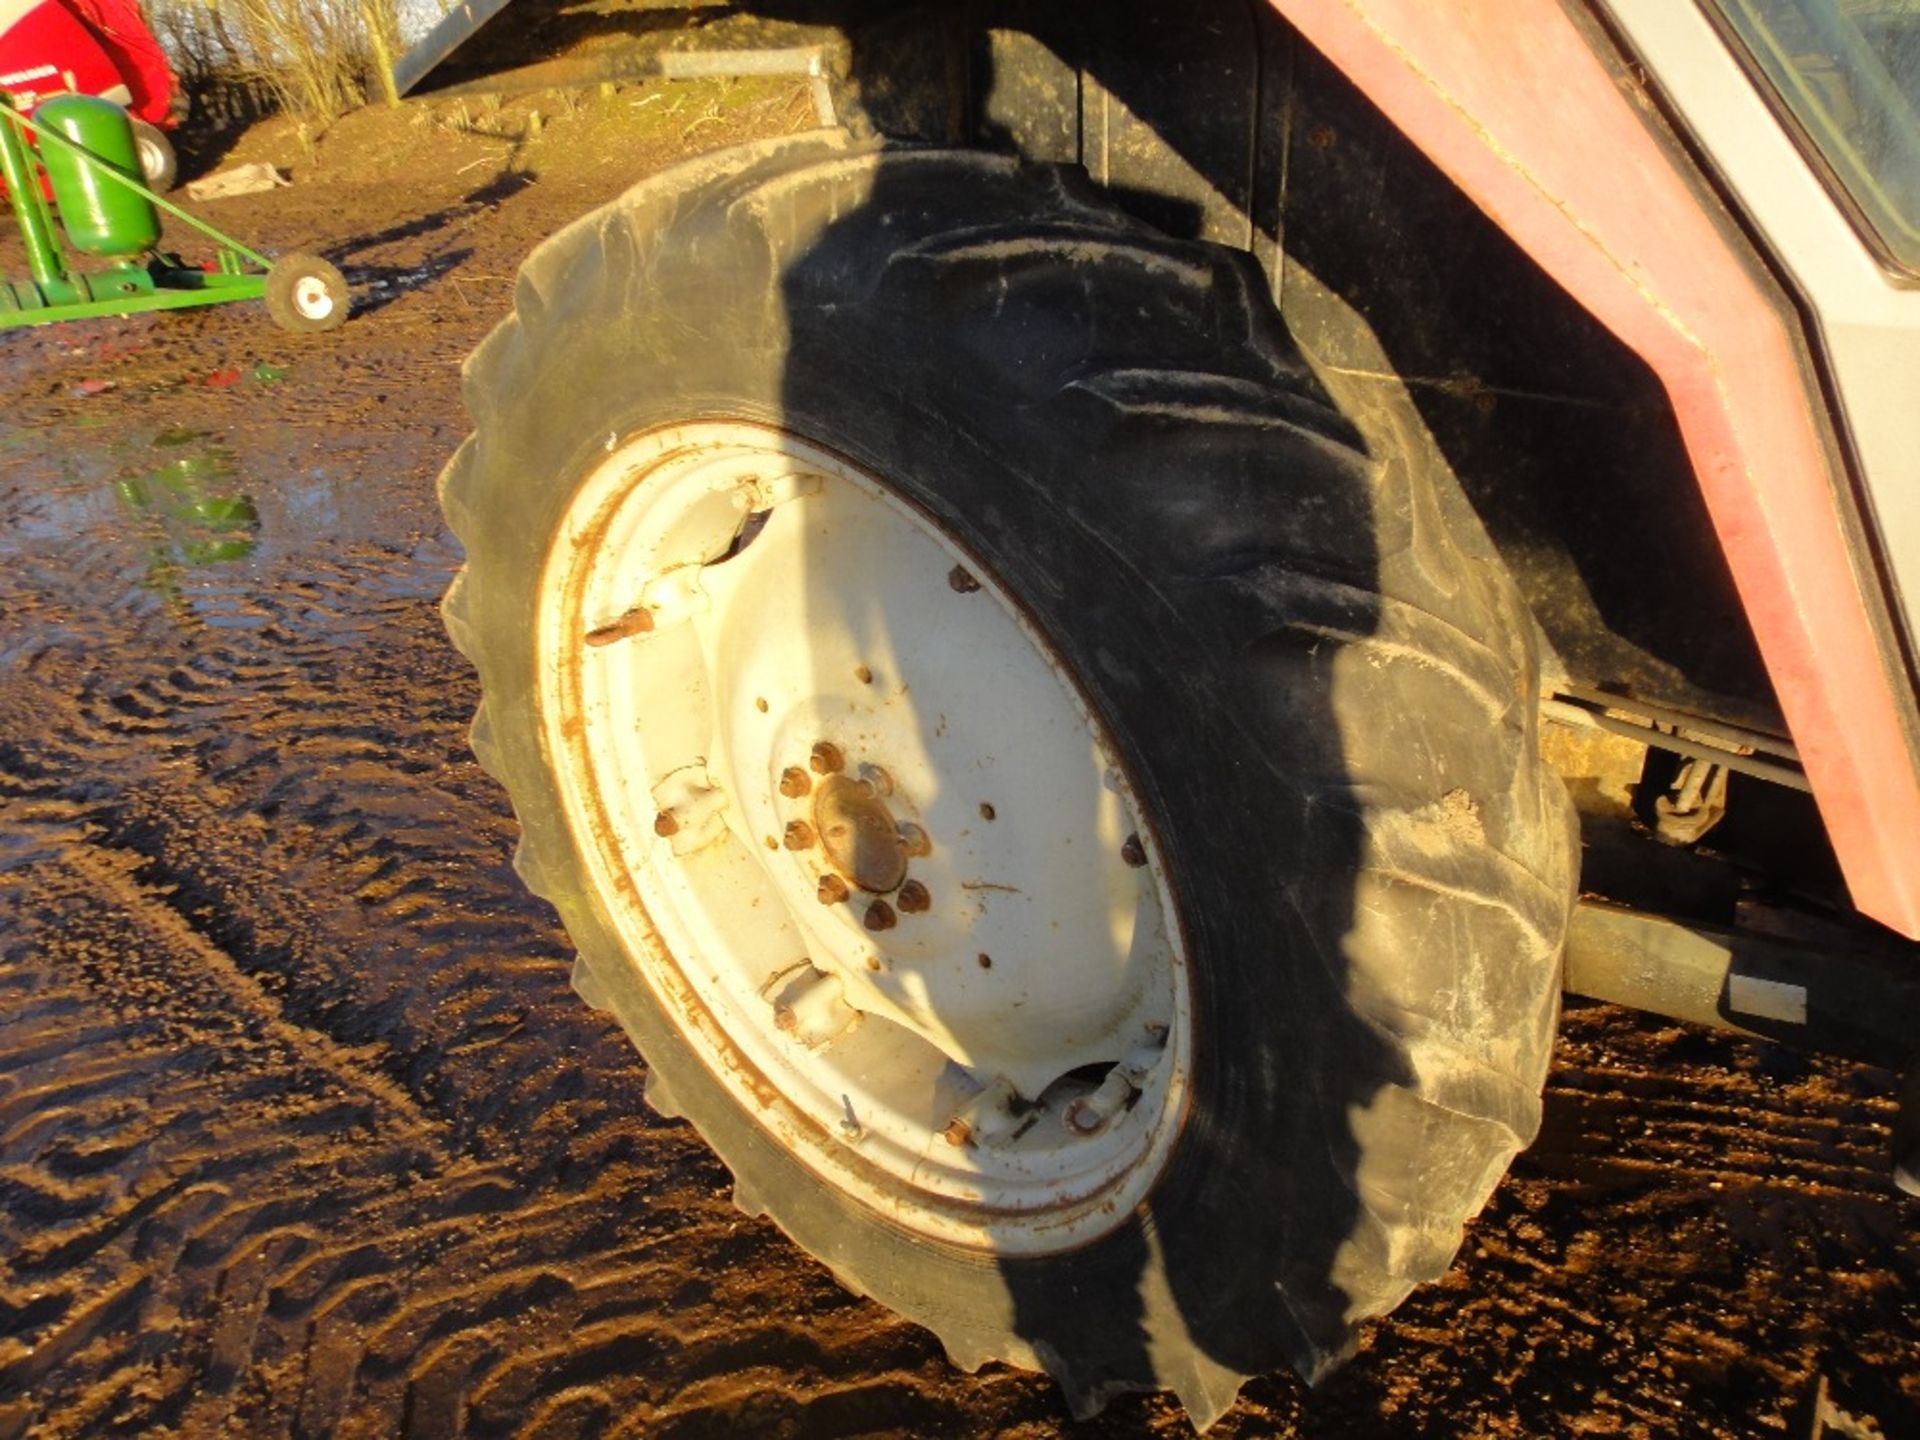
{"type": "Point", "coordinates": [88, 151]}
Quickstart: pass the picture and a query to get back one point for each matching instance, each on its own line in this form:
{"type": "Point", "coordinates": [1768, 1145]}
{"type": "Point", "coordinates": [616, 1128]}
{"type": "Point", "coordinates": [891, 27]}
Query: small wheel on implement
{"type": "Point", "coordinates": [159, 166]}
{"type": "Point", "coordinates": [306, 294]}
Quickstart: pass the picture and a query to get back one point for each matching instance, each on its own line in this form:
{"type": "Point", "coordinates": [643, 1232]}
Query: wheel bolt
{"type": "Point", "coordinates": [795, 782]}
{"type": "Point", "coordinates": [799, 835]}
{"type": "Point", "coordinates": [827, 759]}
{"type": "Point", "coordinates": [637, 621]}
{"type": "Point", "coordinates": [832, 890]}
{"type": "Point", "coordinates": [958, 1132]}
{"type": "Point", "coordinates": [878, 778]}
{"type": "Point", "coordinates": [880, 916]}
{"type": "Point", "coordinates": [914, 840]}
{"type": "Point", "coordinates": [1133, 852]}
{"type": "Point", "coordinates": [1083, 1119]}
{"type": "Point", "coordinates": [664, 825]}
{"type": "Point", "coordinates": [913, 897]}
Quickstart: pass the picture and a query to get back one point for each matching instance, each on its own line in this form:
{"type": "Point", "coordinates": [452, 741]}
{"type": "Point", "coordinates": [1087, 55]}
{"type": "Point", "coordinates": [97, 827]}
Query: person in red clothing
{"type": "Point", "coordinates": [122, 32]}
{"type": "Point", "coordinates": [94, 47]}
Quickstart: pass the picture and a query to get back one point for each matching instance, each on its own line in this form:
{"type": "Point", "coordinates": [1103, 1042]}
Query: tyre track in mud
{"type": "Point", "coordinates": [1704, 1226]}
{"type": "Point", "coordinates": [302, 1131]}
{"type": "Point", "coordinates": [291, 1135]}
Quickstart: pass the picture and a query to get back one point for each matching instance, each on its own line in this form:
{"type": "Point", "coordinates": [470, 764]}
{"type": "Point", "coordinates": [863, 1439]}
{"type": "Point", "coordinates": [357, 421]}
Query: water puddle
{"type": "Point", "coordinates": [196, 519]}
{"type": "Point", "coordinates": [190, 511]}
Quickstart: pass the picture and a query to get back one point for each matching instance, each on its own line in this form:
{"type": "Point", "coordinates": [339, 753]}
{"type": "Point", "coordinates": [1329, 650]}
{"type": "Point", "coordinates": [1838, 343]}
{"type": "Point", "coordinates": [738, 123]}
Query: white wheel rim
{"type": "Point", "coordinates": [721, 598]}
{"type": "Point", "coordinates": [312, 298]}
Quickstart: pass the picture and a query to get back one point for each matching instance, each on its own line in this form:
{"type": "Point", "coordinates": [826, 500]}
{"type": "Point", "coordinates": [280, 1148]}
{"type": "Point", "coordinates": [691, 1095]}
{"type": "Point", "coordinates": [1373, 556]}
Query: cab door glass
{"type": "Point", "coordinates": [1847, 75]}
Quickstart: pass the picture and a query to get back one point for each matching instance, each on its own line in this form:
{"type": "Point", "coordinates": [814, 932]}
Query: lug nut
{"type": "Point", "coordinates": [878, 778]}
{"type": "Point", "coordinates": [826, 759]}
{"type": "Point", "coordinates": [914, 840]}
{"type": "Point", "coordinates": [799, 835]}
{"type": "Point", "coordinates": [832, 890]}
{"type": "Point", "coordinates": [958, 1132]}
{"type": "Point", "coordinates": [1090, 1114]}
{"type": "Point", "coordinates": [1133, 852]}
{"type": "Point", "coordinates": [1082, 1118]}
{"type": "Point", "coordinates": [880, 916]}
{"type": "Point", "coordinates": [690, 809]}
{"type": "Point", "coordinates": [913, 897]}
{"type": "Point", "coordinates": [810, 1007]}
{"type": "Point", "coordinates": [795, 782]}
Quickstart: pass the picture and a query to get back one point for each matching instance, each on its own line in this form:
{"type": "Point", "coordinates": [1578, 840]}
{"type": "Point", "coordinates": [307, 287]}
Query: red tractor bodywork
{"type": "Point", "coordinates": [1540, 119]}
{"type": "Point", "coordinates": [1631, 241]}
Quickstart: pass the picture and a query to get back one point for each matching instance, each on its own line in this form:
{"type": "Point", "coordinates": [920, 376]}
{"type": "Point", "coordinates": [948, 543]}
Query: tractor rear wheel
{"type": "Point", "coordinates": [1060, 818]}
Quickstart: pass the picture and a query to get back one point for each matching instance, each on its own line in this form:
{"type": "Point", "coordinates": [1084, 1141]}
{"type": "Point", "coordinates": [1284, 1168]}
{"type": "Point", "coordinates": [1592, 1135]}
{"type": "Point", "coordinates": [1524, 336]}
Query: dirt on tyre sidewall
{"type": "Point", "coordinates": [1320, 679]}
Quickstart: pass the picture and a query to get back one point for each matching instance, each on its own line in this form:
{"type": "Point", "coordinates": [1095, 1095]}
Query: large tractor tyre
{"type": "Point", "coordinates": [1060, 818]}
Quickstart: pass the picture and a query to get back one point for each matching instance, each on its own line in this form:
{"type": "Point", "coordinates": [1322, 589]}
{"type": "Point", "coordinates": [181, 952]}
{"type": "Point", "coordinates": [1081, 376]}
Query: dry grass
{"type": "Point", "coordinates": [317, 58]}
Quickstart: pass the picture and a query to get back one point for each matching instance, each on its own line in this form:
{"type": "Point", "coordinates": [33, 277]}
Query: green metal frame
{"type": "Point", "coordinates": [56, 292]}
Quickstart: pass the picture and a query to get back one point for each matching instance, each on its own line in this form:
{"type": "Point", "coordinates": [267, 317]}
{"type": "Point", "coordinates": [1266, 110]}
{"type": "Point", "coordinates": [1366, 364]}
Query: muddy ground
{"type": "Point", "coordinates": [301, 1129]}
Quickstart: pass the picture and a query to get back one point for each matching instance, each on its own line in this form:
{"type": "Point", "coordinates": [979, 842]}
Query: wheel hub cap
{"type": "Point", "coordinates": [311, 298]}
{"type": "Point", "coordinates": [859, 835]}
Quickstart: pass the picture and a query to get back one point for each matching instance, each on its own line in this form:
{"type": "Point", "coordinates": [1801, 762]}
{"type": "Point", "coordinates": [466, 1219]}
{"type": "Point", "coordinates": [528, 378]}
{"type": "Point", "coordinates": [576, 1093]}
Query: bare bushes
{"type": "Point", "coordinates": [315, 58]}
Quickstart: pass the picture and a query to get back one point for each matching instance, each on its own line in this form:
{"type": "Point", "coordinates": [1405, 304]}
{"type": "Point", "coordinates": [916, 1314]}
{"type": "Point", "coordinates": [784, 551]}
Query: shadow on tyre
{"type": "Point", "coordinates": [1138, 535]}
{"type": "Point", "coordinates": [1370, 864]}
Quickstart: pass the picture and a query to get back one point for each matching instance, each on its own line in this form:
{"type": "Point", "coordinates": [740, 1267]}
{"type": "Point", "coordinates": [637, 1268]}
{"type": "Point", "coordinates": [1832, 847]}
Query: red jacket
{"type": "Point", "coordinates": [95, 47]}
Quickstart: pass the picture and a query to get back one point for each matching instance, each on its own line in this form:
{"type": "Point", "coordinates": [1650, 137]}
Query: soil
{"type": "Point", "coordinates": [302, 1131]}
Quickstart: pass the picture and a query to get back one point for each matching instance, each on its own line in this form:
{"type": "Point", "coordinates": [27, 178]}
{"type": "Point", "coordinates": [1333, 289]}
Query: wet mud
{"type": "Point", "coordinates": [302, 1131]}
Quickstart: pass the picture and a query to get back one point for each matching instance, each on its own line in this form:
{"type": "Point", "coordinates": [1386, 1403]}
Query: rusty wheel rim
{"type": "Point", "coordinates": [863, 838]}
